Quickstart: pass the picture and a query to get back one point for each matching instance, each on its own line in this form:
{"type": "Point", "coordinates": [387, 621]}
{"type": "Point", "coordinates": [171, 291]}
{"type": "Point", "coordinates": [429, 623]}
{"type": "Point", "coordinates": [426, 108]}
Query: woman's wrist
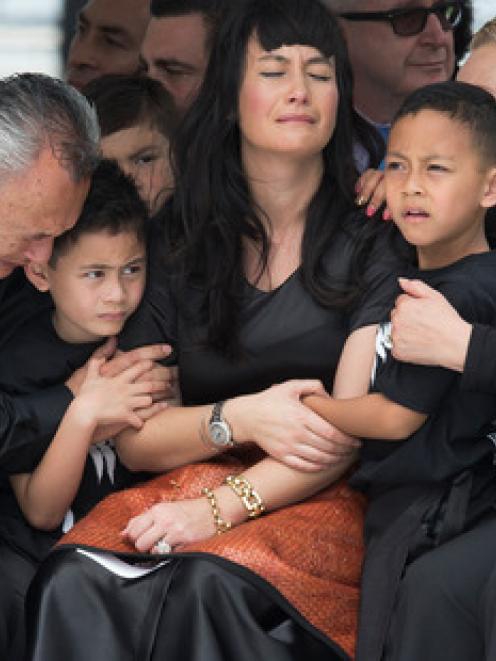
{"type": "Point", "coordinates": [230, 506]}
{"type": "Point", "coordinates": [234, 413]}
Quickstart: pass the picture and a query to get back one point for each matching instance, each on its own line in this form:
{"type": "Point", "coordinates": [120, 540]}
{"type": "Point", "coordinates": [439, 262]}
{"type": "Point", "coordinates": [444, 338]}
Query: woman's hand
{"type": "Point", "coordinates": [179, 522]}
{"type": "Point", "coordinates": [278, 422]}
{"type": "Point", "coordinates": [371, 191]}
{"type": "Point", "coordinates": [426, 329]}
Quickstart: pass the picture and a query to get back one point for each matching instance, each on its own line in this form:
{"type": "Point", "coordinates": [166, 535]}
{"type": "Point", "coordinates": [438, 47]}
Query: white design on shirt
{"type": "Point", "coordinates": [104, 457]}
{"type": "Point", "coordinates": [383, 345]}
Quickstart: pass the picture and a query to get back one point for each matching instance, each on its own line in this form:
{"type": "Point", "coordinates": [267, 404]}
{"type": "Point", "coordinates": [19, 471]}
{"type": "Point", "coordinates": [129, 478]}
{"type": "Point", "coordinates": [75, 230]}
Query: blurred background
{"type": "Point", "coordinates": [32, 32]}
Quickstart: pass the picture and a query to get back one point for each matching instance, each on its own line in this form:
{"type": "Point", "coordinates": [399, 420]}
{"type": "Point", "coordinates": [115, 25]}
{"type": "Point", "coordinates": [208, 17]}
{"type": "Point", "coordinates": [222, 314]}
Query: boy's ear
{"type": "Point", "coordinates": [37, 275]}
{"type": "Point", "coordinates": [489, 198]}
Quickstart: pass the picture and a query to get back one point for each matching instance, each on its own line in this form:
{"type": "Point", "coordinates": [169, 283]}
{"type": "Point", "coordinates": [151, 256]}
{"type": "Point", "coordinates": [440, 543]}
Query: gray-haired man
{"type": "Point", "coordinates": [49, 147]}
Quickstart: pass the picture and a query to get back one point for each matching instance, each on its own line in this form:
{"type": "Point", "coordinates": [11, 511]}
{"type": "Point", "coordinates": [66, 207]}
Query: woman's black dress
{"type": "Point", "coordinates": [205, 607]}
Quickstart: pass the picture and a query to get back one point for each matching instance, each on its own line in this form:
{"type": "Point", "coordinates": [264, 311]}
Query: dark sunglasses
{"type": "Point", "coordinates": [408, 22]}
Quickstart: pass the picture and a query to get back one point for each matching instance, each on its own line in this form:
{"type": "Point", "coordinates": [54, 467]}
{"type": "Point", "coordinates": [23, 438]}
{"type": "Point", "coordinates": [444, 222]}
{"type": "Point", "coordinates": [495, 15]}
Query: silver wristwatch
{"type": "Point", "coordinates": [219, 430]}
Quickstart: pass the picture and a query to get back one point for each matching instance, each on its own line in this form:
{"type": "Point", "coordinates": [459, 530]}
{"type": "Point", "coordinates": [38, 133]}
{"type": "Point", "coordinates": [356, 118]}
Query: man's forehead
{"type": "Point", "coordinates": [170, 36]}
{"type": "Point", "coordinates": [129, 15]}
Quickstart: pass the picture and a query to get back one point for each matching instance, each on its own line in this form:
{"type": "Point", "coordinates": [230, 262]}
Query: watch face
{"type": "Point", "coordinates": [219, 433]}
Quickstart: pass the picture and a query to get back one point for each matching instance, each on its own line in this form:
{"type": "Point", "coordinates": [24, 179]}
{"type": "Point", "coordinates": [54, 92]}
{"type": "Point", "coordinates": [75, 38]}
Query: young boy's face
{"type": "Point", "coordinates": [142, 153]}
{"type": "Point", "coordinates": [96, 285]}
{"type": "Point", "coordinates": [437, 187]}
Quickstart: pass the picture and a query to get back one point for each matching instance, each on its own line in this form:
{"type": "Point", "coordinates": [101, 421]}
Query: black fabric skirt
{"type": "Point", "coordinates": [195, 608]}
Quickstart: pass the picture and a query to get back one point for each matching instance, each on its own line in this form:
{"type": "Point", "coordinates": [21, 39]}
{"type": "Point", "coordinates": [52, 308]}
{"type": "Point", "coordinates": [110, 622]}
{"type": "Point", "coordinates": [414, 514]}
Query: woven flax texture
{"type": "Point", "coordinates": [311, 552]}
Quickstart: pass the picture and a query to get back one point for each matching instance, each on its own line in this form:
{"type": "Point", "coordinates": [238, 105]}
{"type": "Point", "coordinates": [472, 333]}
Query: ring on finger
{"type": "Point", "coordinates": [163, 546]}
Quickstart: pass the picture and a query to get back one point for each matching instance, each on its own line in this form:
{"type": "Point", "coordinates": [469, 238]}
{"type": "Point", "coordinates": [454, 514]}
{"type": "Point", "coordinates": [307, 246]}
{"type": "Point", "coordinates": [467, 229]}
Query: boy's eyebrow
{"type": "Point", "coordinates": [429, 157]}
{"type": "Point", "coordinates": [106, 267]}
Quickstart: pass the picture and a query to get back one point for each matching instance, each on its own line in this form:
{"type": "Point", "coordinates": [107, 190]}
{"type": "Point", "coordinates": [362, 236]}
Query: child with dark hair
{"type": "Point", "coordinates": [137, 119]}
{"type": "Point", "coordinates": [96, 278]}
{"type": "Point", "coordinates": [426, 465]}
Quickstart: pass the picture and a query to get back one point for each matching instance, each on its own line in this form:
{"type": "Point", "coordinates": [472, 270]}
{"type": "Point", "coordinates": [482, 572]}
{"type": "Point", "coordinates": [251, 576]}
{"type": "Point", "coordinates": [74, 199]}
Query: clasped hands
{"type": "Point", "coordinates": [143, 366]}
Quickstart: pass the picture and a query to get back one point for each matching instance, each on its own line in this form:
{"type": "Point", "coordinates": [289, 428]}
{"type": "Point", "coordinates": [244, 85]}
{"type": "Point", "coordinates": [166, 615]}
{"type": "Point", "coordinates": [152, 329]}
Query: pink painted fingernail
{"type": "Point", "coordinates": [370, 211]}
{"type": "Point", "coordinates": [386, 215]}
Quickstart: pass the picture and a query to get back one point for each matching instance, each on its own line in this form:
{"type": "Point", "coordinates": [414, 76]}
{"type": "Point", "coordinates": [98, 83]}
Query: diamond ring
{"type": "Point", "coordinates": [163, 546]}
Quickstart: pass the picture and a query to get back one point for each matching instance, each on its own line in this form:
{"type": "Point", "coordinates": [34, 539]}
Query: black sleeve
{"type": "Point", "coordinates": [479, 373]}
{"type": "Point", "coordinates": [379, 283]}
{"type": "Point", "coordinates": [419, 387]}
{"type": "Point", "coordinates": [415, 387]}
{"type": "Point", "coordinates": [27, 426]}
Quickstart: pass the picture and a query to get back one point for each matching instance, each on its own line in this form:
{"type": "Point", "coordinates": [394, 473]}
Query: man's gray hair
{"type": "Point", "coordinates": [37, 111]}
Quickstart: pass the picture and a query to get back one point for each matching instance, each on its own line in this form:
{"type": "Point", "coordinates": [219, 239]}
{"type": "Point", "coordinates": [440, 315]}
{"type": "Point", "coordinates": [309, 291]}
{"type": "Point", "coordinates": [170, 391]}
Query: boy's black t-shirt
{"type": "Point", "coordinates": [36, 358]}
{"type": "Point", "coordinates": [451, 439]}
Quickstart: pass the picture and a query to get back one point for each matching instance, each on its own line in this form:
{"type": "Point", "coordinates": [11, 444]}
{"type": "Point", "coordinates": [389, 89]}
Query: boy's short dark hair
{"type": "Point", "coordinates": [113, 205]}
{"type": "Point", "coordinates": [468, 104]}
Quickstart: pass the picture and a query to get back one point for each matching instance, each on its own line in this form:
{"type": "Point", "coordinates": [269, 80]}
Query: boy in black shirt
{"type": "Point", "coordinates": [428, 472]}
{"type": "Point", "coordinates": [96, 277]}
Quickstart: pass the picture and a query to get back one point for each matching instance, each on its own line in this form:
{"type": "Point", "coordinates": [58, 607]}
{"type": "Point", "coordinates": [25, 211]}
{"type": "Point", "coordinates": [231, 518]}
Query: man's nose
{"type": "Point", "coordinates": [433, 31]}
{"type": "Point", "coordinates": [82, 53]}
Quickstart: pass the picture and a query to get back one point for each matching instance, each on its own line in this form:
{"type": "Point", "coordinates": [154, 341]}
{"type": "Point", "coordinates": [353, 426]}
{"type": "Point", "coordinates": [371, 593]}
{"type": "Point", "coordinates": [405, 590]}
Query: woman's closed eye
{"type": "Point", "coordinates": [272, 74]}
{"type": "Point", "coordinates": [325, 78]}
{"type": "Point", "coordinates": [321, 72]}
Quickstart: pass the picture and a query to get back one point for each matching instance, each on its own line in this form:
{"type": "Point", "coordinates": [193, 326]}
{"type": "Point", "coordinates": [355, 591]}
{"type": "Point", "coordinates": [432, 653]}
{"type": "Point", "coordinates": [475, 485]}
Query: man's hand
{"type": "Point", "coordinates": [426, 329]}
{"type": "Point", "coordinates": [117, 362]}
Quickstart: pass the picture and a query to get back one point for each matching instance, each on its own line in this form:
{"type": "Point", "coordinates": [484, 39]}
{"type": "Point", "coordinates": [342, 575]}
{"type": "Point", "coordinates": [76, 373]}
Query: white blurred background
{"type": "Point", "coordinates": [31, 34]}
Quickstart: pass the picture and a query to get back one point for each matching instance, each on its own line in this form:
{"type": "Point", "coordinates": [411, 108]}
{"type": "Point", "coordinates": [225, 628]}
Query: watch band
{"type": "Point", "coordinates": [219, 431]}
{"type": "Point", "coordinates": [217, 412]}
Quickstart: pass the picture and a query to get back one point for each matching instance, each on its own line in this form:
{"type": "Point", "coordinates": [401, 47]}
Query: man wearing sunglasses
{"type": "Point", "coordinates": [397, 46]}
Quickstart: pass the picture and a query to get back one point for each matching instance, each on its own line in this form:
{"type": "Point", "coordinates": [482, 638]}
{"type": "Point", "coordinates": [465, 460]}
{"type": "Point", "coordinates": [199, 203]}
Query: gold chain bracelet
{"type": "Point", "coordinates": [251, 499]}
{"type": "Point", "coordinates": [221, 526]}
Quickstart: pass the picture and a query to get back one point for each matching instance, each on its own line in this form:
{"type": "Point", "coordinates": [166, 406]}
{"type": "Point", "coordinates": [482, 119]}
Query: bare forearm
{"type": "Point", "coordinates": [170, 439]}
{"type": "Point", "coordinates": [46, 494]}
{"type": "Point", "coordinates": [279, 486]}
{"type": "Point", "coordinates": [370, 416]}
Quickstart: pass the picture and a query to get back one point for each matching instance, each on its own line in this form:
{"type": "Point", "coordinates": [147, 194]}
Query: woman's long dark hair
{"type": "Point", "coordinates": [213, 210]}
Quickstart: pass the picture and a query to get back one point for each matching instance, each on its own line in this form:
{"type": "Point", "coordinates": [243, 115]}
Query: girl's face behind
{"type": "Point", "coordinates": [288, 101]}
{"type": "Point", "coordinates": [142, 152]}
{"type": "Point", "coordinates": [480, 68]}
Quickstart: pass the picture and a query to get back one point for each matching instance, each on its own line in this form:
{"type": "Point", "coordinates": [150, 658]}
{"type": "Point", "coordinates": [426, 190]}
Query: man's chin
{"type": "Point", "coordinates": [6, 268]}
